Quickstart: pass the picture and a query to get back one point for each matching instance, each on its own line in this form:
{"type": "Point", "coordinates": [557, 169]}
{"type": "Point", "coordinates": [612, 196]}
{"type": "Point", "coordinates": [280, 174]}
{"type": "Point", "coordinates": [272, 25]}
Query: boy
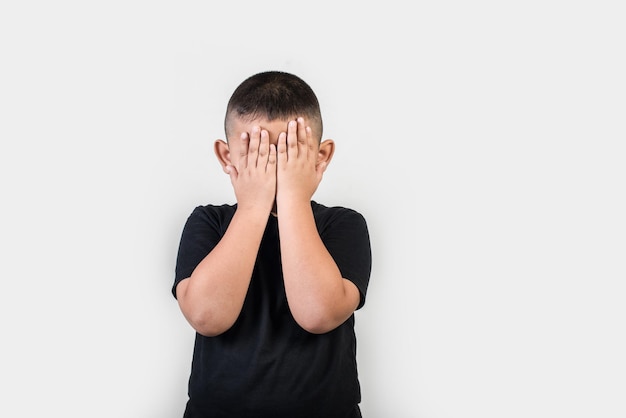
{"type": "Point", "coordinates": [271, 283]}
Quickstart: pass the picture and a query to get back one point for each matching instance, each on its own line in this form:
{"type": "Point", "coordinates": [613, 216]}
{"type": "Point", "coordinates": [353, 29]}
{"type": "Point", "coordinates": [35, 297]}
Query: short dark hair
{"type": "Point", "coordinates": [274, 95]}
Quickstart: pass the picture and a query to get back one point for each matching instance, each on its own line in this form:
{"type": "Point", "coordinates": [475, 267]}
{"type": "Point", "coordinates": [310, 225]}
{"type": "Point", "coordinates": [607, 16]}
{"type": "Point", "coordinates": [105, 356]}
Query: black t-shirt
{"type": "Point", "coordinates": [266, 365]}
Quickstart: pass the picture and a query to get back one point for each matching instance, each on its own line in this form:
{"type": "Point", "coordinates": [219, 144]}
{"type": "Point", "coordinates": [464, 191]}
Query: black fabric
{"type": "Point", "coordinates": [265, 365]}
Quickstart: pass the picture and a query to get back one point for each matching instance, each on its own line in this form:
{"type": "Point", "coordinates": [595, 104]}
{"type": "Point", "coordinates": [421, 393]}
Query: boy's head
{"type": "Point", "coordinates": [273, 96]}
{"type": "Point", "coordinates": [269, 101]}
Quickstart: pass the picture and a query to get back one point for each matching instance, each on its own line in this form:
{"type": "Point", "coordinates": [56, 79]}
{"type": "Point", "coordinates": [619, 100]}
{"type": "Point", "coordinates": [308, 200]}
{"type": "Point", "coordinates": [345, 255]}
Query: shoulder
{"type": "Point", "coordinates": [224, 210]}
{"type": "Point", "coordinates": [217, 216]}
{"type": "Point", "coordinates": [322, 210]}
{"type": "Point", "coordinates": [327, 215]}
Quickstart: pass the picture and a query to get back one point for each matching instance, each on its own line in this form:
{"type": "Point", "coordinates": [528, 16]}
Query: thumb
{"type": "Point", "coordinates": [231, 171]}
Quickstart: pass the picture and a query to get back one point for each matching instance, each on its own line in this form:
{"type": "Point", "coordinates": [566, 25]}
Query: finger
{"type": "Point", "coordinates": [310, 144]}
{"type": "Point", "coordinates": [281, 149]}
{"type": "Point", "coordinates": [271, 158]}
{"type": "Point", "coordinates": [292, 139]}
{"type": "Point", "coordinates": [253, 146]}
{"type": "Point", "coordinates": [232, 173]}
{"type": "Point", "coordinates": [320, 169]}
{"type": "Point", "coordinates": [243, 153]}
{"type": "Point", "coordinates": [302, 138]}
{"type": "Point", "coordinates": [264, 148]}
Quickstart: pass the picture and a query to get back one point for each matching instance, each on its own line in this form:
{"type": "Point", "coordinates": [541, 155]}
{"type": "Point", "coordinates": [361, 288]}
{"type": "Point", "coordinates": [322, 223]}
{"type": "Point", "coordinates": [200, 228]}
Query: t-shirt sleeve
{"type": "Point", "coordinates": [201, 233]}
{"type": "Point", "coordinates": [348, 242]}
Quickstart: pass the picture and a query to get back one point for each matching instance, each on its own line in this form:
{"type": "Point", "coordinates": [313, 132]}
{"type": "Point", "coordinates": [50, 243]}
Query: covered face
{"type": "Point", "coordinates": [239, 126]}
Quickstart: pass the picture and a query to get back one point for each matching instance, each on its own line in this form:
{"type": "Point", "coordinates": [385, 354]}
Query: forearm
{"type": "Point", "coordinates": [212, 297]}
{"type": "Point", "coordinates": [320, 299]}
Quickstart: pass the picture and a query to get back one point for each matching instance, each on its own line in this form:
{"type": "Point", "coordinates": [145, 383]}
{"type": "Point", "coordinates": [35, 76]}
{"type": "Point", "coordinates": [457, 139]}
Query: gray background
{"type": "Point", "coordinates": [483, 141]}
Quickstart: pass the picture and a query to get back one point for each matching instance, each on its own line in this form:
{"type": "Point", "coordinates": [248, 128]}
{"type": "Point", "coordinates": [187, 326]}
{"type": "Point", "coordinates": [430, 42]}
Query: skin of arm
{"type": "Point", "coordinates": [212, 297]}
{"type": "Point", "coordinates": [319, 297]}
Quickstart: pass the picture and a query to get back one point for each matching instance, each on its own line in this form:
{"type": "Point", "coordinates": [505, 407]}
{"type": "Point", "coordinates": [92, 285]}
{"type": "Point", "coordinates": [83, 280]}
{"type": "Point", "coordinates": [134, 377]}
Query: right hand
{"type": "Point", "coordinates": [254, 174]}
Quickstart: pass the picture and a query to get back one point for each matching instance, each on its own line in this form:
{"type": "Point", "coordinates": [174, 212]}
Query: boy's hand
{"type": "Point", "coordinates": [298, 173]}
{"type": "Point", "coordinates": [254, 177]}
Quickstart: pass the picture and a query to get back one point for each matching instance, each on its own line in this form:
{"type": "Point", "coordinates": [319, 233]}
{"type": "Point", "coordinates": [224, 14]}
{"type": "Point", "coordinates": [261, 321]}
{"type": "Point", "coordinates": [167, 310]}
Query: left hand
{"type": "Point", "coordinates": [298, 174]}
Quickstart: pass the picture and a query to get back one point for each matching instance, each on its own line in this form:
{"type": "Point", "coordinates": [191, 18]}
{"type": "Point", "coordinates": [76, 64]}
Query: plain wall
{"type": "Point", "coordinates": [484, 142]}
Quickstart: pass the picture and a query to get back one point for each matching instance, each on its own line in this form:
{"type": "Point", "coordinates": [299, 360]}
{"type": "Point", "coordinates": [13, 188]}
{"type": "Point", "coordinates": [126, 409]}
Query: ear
{"type": "Point", "coordinates": [222, 152]}
{"type": "Point", "coordinates": [325, 152]}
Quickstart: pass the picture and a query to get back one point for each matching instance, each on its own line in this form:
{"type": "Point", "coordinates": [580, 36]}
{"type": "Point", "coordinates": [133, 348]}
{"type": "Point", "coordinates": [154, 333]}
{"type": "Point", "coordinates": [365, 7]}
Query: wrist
{"type": "Point", "coordinates": [292, 203]}
{"type": "Point", "coordinates": [253, 211]}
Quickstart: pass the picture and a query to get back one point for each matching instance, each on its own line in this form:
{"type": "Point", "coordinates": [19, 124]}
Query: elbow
{"type": "Point", "coordinates": [205, 319]}
{"type": "Point", "coordinates": [320, 317]}
{"type": "Point", "coordinates": [210, 330]}
{"type": "Point", "coordinates": [317, 329]}
{"type": "Point", "coordinates": [208, 325]}
{"type": "Point", "coordinates": [318, 323]}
